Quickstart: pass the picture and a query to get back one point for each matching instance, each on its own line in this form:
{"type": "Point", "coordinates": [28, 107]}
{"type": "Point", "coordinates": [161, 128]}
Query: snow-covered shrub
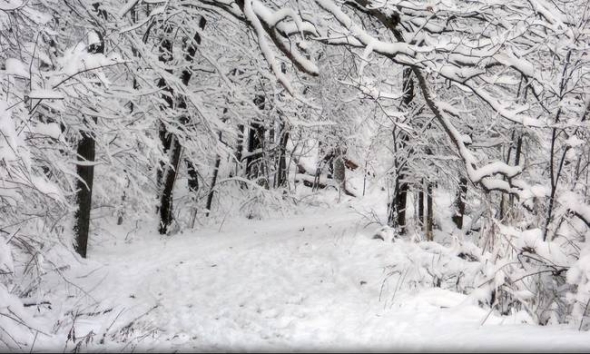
{"type": "Point", "coordinates": [428, 264]}
{"type": "Point", "coordinates": [15, 330]}
{"type": "Point", "coordinates": [579, 298]}
{"type": "Point", "coordinates": [575, 230]}
{"type": "Point", "coordinates": [30, 206]}
{"type": "Point", "coordinates": [547, 279]}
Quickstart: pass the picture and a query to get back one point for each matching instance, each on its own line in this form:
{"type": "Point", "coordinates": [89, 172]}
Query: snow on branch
{"type": "Point", "coordinates": [264, 46]}
{"type": "Point", "coordinates": [477, 175]}
{"type": "Point", "coordinates": [385, 48]}
{"type": "Point", "coordinates": [467, 57]}
{"type": "Point", "coordinates": [12, 5]}
{"type": "Point", "coordinates": [372, 92]}
{"type": "Point", "coordinates": [548, 12]}
{"type": "Point", "coordinates": [127, 7]}
{"type": "Point", "coordinates": [501, 109]}
{"type": "Point", "coordinates": [497, 167]}
{"type": "Point", "coordinates": [341, 40]}
{"type": "Point", "coordinates": [80, 63]}
{"type": "Point", "coordinates": [574, 204]}
{"type": "Point", "coordinates": [276, 21]}
{"type": "Point", "coordinates": [297, 59]}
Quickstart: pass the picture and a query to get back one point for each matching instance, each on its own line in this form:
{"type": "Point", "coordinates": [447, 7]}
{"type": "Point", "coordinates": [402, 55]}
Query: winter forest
{"type": "Point", "coordinates": [243, 175]}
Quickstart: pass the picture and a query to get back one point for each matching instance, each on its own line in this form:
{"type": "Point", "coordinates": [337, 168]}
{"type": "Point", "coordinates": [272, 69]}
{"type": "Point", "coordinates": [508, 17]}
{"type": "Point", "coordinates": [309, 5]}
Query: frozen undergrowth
{"type": "Point", "coordinates": [314, 281]}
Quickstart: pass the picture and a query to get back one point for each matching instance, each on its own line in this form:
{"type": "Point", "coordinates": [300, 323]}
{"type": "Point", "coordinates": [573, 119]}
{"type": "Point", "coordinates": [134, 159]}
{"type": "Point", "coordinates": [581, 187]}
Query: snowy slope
{"type": "Point", "coordinates": [316, 281]}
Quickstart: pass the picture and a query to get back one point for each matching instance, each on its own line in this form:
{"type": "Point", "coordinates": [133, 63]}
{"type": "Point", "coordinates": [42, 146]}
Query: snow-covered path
{"type": "Point", "coordinates": [310, 282]}
{"type": "Point", "coordinates": [275, 284]}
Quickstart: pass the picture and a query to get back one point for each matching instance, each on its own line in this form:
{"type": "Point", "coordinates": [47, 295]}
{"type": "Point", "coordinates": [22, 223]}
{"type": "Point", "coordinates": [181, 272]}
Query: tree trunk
{"type": "Point", "coordinates": [166, 199]}
{"type": "Point", "coordinates": [339, 169]}
{"type": "Point", "coordinates": [460, 203]}
{"type": "Point", "coordinates": [193, 177]}
{"type": "Point", "coordinates": [213, 181]}
{"type": "Point", "coordinates": [190, 49]}
{"type": "Point", "coordinates": [135, 52]}
{"type": "Point", "coordinates": [421, 204]}
{"type": "Point", "coordinates": [167, 95]}
{"type": "Point", "coordinates": [121, 211]}
{"type": "Point", "coordinates": [281, 176]}
{"type": "Point", "coordinates": [239, 149]}
{"type": "Point", "coordinates": [554, 178]}
{"type": "Point", "coordinates": [429, 213]}
{"type": "Point", "coordinates": [255, 160]}
{"type": "Point", "coordinates": [165, 179]}
{"type": "Point", "coordinates": [516, 162]}
{"type": "Point", "coordinates": [397, 213]}
{"type": "Point", "coordinates": [401, 203]}
{"type": "Point", "coordinates": [255, 150]}
{"type": "Point", "coordinates": [503, 198]}
{"type": "Point", "coordinates": [168, 172]}
{"type": "Point", "coordinates": [86, 153]}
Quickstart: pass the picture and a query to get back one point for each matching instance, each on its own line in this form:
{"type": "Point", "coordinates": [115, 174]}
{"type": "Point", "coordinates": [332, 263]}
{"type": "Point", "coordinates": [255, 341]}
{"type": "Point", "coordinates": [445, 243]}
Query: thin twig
{"type": "Point", "coordinates": [488, 315]}
{"type": "Point", "coordinates": [584, 314]}
{"type": "Point", "coordinates": [34, 340]}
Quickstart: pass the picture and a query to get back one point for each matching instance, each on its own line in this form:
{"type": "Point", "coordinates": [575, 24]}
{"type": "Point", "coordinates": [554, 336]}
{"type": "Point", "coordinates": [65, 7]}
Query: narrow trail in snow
{"type": "Point", "coordinates": [316, 281]}
{"type": "Point", "coordinates": [270, 282]}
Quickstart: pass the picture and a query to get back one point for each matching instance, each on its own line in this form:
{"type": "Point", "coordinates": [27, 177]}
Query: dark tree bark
{"type": "Point", "coordinates": [397, 212]}
{"type": "Point", "coordinates": [239, 147]}
{"type": "Point", "coordinates": [213, 182]}
{"type": "Point", "coordinates": [460, 203]}
{"type": "Point", "coordinates": [339, 168]}
{"type": "Point", "coordinates": [166, 199]}
{"type": "Point", "coordinates": [503, 199]}
{"type": "Point", "coordinates": [255, 146]}
{"type": "Point", "coordinates": [281, 176]}
{"type": "Point", "coordinates": [170, 142]}
{"type": "Point", "coordinates": [400, 203]}
{"type": "Point", "coordinates": [86, 153]}
{"type": "Point", "coordinates": [318, 171]}
{"type": "Point", "coordinates": [421, 204]}
{"type": "Point", "coordinates": [239, 141]}
{"type": "Point", "coordinates": [517, 161]}
{"type": "Point", "coordinates": [165, 56]}
{"type": "Point", "coordinates": [190, 49]}
{"type": "Point", "coordinates": [429, 213]}
{"type": "Point", "coordinates": [165, 175]}
{"type": "Point", "coordinates": [507, 202]}
{"type": "Point", "coordinates": [255, 160]}
{"type": "Point", "coordinates": [329, 163]}
{"type": "Point", "coordinates": [121, 212]}
{"type": "Point", "coordinates": [193, 177]}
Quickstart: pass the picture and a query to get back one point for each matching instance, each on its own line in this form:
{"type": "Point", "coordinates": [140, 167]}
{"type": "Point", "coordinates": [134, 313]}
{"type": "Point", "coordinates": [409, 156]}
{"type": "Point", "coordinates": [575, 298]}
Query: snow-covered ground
{"type": "Point", "coordinates": [313, 281]}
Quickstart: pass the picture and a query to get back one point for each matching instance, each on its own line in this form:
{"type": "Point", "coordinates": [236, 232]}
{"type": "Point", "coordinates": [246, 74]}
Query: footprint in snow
{"type": "Point", "coordinates": [180, 338]}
